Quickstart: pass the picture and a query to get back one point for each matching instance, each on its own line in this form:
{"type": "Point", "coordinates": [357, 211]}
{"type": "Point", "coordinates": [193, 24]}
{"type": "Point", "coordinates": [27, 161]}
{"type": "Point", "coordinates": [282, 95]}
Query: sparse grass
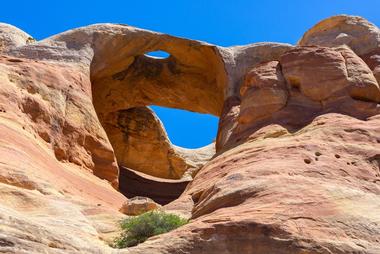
{"type": "Point", "coordinates": [139, 228]}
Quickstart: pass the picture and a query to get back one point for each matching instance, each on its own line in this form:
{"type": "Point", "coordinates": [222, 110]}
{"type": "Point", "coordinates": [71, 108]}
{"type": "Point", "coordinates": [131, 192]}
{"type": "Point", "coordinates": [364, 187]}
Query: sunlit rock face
{"type": "Point", "coordinates": [11, 36]}
{"type": "Point", "coordinates": [296, 162]}
{"type": "Point", "coordinates": [140, 143]}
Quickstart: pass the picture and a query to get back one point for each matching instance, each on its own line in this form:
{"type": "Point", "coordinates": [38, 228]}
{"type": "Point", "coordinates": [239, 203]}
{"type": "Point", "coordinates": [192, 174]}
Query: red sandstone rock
{"type": "Point", "coordinates": [302, 68]}
{"type": "Point", "coordinates": [263, 92]}
{"type": "Point", "coordinates": [373, 61]}
{"type": "Point", "coordinates": [297, 163]}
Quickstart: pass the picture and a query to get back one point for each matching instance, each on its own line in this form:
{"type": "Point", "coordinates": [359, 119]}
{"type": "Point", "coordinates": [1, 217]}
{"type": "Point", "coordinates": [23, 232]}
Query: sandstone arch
{"type": "Point", "coordinates": [192, 77]}
{"type": "Point", "coordinates": [122, 77]}
{"type": "Point", "coordinates": [265, 184]}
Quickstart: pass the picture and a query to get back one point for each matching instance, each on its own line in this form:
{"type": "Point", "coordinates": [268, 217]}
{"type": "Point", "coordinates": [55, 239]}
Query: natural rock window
{"type": "Point", "coordinates": [163, 72]}
{"type": "Point", "coordinates": [158, 54]}
{"type": "Point", "coordinates": [150, 165]}
{"type": "Point", "coordinates": [187, 129]}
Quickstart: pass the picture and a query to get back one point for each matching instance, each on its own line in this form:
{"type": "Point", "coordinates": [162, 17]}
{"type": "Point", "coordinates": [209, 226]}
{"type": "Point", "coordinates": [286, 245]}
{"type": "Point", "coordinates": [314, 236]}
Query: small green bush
{"type": "Point", "coordinates": [139, 228]}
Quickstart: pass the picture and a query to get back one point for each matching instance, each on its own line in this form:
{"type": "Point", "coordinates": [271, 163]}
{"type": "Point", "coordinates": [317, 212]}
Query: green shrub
{"type": "Point", "coordinates": [139, 228]}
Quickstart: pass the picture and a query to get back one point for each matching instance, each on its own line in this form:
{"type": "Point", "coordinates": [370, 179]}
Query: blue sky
{"type": "Point", "coordinates": [225, 23]}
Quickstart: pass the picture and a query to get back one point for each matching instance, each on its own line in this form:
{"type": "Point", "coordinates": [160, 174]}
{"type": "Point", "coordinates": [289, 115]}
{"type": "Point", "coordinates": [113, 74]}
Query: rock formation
{"type": "Point", "coordinates": [296, 166]}
{"type": "Point", "coordinates": [141, 143]}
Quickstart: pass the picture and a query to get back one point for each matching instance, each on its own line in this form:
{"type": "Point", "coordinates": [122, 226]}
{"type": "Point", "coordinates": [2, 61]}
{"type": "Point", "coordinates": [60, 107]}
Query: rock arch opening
{"type": "Point", "coordinates": [150, 165]}
{"type": "Point", "coordinates": [187, 129]}
{"type": "Point", "coordinates": [158, 54]}
{"type": "Point", "coordinates": [191, 77]}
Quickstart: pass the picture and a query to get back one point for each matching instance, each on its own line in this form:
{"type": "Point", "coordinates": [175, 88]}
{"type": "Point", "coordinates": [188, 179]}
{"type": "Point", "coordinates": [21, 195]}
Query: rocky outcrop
{"type": "Point", "coordinates": [52, 102]}
{"type": "Point", "coordinates": [312, 191]}
{"type": "Point", "coordinates": [291, 92]}
{"type": "Point", "coordinates": [357, 33]}
{"type": "Point", "coordinates": [296, 168]}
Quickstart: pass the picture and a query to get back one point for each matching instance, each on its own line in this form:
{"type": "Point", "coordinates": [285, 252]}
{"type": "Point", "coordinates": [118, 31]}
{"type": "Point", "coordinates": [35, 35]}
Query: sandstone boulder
{"type": "Point", "coordinates": [138, 205]}
{"type": "Point", "coordinates": [302, 68]}
{"type": "Point", "coordinates": [363, 84]}
{"type": "Point", "coordinates": [141, 143]}
{"type": "Point", "coordinates": [356, 32]}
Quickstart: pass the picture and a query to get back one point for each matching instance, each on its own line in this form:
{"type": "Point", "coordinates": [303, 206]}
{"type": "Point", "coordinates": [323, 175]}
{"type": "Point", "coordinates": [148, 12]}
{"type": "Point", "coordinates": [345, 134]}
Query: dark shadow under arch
{"type": "Point", "coordinates": [162, 191]}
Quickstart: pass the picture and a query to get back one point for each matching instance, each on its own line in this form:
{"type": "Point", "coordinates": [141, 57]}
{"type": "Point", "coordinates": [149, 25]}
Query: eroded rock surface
{"type": "Point", "coordinates": [141, 143]}
{"type": "Point", "coordinates": [312, 191]}
{"type": "Point", "coordinates": [296, 168]}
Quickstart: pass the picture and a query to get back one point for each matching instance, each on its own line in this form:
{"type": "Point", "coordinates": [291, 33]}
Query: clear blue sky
{"type": "Point", "coordinates": [226, 23]}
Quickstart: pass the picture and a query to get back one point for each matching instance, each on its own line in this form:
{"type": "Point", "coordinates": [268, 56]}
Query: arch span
{"type": "Point", "coordinates": [125, 81]}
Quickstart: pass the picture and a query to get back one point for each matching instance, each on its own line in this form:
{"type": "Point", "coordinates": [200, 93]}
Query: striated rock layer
{"type": "Point", "coordinates": [296, 164]}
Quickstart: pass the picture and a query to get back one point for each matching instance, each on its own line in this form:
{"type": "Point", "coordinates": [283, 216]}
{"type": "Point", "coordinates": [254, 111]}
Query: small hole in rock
{"type": "Point", "coordinates": [159, 54]}
{"type": "Point", "coordinates": [307, 161]}
{"type": "Point", "coordinates": [6, 243]}
{"type": "Point", "coordinates": [15, 60]}
{"type": "Point", "coordinates": [337, 156]}
{"type": "Point", "coordinates": [318, 154]}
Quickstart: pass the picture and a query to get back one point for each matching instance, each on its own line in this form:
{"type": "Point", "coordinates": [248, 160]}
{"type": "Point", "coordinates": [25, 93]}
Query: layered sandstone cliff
{"type": "Point", "coordinates": [296, 164]}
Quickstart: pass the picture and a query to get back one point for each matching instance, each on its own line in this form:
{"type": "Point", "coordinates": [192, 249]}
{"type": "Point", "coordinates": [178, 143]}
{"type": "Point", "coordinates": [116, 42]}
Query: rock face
{"type": "Point", "coordinates": [357, 33]}
{"type": "Point", "coordinates": [297, 163]}
{"type": "Point", "coordinates": [312, 191]}
{"type": "Point", "coordinates": [263, 92]}
{"type": "Point", "coordinates": [141, 143]}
